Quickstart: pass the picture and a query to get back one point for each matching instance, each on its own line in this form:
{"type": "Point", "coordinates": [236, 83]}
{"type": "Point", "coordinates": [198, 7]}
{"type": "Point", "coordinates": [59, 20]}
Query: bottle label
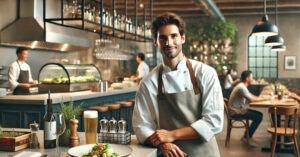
{"type": "Point", "coordinates": [50, 130]}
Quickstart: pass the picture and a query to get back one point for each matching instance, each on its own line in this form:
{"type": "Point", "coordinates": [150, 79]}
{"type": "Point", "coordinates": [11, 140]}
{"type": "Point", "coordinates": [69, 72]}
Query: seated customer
{"type": "Point", "coordinates": [229, 84]}
{"type": "Point", "coordinates": [295, 96]}
{"type": "Point", "coordinates": [239, 105]}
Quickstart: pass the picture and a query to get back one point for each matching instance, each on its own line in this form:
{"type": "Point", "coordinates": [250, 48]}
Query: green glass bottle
{"type": "Point", "coordinates": [49, 126]}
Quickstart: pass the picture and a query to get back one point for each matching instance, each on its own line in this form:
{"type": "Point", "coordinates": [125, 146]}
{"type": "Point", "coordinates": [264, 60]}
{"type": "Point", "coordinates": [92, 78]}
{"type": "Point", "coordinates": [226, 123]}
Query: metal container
{"type": "Point", "coordinates": [112, 126]}
{"type": "Point", "coordinates": [122, 126]}
{"type": "Point", "coordinates": [104, 125]}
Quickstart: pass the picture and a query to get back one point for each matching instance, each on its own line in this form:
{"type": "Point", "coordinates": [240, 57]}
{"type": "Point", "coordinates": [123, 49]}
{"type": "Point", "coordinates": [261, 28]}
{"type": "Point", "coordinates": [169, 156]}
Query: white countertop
{"type": "Point", "coordinates": [138, 149]}
{"type": "Point", "coordinates": [41, 99]}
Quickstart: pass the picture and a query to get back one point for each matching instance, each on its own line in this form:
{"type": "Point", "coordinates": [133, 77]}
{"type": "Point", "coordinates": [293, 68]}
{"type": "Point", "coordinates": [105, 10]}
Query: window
{"type": "Point", "coordinates": [261, 60]}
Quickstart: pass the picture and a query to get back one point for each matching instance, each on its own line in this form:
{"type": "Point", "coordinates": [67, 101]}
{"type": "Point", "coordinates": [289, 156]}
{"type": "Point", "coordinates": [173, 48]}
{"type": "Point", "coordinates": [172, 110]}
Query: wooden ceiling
{"type": "Point", "coordinates": [187, 8]}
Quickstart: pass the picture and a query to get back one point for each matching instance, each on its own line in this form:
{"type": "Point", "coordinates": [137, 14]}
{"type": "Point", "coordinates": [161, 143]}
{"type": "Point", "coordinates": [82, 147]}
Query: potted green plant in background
{"type": "Point", "coordinates": [69, 112]}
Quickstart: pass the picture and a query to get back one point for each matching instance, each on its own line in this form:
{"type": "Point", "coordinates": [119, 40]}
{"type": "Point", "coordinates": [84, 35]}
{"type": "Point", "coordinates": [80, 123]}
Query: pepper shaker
{"type": "Point", "coordinates": [34, 143]}
{"type": "Point", "coordinates": [112, 125]}
{"type": "Point", "coordinates": [73, 138]}
{"type": "Point", "coordinates": [103, 124]}
{"type": "Point", "coordinates": [122, 126]}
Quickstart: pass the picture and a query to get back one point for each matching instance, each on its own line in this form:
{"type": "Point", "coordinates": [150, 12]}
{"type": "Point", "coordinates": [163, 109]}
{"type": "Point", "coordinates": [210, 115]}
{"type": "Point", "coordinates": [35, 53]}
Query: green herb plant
{"type": "Point", "coordinates": [69, 112]}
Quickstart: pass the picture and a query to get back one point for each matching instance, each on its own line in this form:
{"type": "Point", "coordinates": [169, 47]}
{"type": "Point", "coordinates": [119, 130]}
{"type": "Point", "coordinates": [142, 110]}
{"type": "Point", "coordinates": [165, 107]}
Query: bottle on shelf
{"type": "Point", "coordinates": [49, 126]}
{"type": "Point", "coordinates": [78, 12]}
{"type": "Point", "coordinates": [104, 17]}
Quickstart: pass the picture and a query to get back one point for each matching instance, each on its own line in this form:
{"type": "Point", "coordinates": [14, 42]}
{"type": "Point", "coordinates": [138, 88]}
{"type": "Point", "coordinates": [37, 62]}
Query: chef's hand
{"type": "Point", "coordinates": [161, 136]}
{"type": "Point", "coordinates": [171, 150]}
{"type": "Point", "coordinates": [24, 85]}
{"type": "Point", "coordinates": [33, 82]}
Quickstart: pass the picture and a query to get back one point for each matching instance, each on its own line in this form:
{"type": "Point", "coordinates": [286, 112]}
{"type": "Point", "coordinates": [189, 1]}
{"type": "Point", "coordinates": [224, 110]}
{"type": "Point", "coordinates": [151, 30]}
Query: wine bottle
{"type": "Point", "coordinates": [49, 126]}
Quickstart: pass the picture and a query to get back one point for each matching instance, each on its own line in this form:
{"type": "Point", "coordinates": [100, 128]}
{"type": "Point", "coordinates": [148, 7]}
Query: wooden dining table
{"type": "Point", "coordinates": [275, 102]}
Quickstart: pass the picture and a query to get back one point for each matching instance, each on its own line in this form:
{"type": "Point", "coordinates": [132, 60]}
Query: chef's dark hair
{"type": "Point", "coordinates": [141, 55]}
{"type": "Point", "coordinates": [245, 74]}
{"type": "Point", "coordinates": [21, 49]}
{"type": "Point", "coordinates": [166, 19]}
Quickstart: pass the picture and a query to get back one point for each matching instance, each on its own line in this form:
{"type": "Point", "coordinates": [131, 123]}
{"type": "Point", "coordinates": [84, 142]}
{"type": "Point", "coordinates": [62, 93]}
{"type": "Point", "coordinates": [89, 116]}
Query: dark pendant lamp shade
{"type": "Point", "coordinates": [264, 28]}
{"type": "Point", "coordinates": [279, 48]}
{"type": "Point", "coordinates": [274, 40]}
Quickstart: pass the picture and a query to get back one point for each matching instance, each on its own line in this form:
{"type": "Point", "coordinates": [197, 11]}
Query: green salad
{"type": "Point", "coordinates": [101, 150]}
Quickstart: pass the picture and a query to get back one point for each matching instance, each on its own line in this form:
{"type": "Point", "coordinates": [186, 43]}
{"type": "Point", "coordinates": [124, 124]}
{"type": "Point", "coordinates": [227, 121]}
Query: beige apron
{"type": "Point", "coordinates": [178, 110]}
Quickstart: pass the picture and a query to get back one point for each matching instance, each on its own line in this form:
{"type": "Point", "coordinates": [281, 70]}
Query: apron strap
{"type": "Point", "coordinates": [192, 76]}
{"type": "Point", "coordinates": [19, 64]}
{"type": "Point", "coordinates": [160, 81]}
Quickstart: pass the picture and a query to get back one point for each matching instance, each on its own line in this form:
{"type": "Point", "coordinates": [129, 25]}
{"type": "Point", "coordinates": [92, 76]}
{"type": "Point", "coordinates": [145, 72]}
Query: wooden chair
{"type": "Point", "coordinates": [230, 124]}
{"type": "Point", "coordinates": [283, 129]}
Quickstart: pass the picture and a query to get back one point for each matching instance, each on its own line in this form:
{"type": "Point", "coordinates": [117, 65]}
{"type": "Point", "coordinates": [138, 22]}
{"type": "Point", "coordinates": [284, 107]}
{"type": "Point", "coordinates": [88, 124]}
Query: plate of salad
{"type": "Point", "coordinates": [100, 150]}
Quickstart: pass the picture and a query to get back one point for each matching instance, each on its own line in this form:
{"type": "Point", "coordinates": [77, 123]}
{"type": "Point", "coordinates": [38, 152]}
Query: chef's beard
{"type": "Point", "coordinates": [172, 54]}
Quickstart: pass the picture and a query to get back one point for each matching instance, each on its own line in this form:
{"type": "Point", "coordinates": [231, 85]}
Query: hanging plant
{"type": "Point", "coordinates": [211, 33]}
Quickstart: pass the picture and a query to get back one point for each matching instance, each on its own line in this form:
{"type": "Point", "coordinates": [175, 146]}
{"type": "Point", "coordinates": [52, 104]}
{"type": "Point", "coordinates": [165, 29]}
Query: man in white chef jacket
{"type": "Point", "coordinates": [142, 70]}
{"type": "Point", "coordinates": [19, 74]}
{"type": "Point", "coordinates": [179, 104]}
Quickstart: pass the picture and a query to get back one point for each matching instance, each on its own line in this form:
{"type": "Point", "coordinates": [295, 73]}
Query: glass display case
{"type": "Point", "coordinates": [67, 77]}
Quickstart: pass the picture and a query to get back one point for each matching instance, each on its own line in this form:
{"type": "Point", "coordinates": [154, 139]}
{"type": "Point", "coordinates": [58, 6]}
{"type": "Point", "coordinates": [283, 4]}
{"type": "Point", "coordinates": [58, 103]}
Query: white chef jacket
{"type": "Point", "coordinates": [142, 70]}
{"type": "Point", "coordinates": [14, 72]}
{"type": "Point", "coordinates": [228, 81]}
{"type": "Point", "coordinates": [146, 113]}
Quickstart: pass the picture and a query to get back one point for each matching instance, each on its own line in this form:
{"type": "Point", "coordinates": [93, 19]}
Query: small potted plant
{"type": "Point", "coordinates": [69, 112]}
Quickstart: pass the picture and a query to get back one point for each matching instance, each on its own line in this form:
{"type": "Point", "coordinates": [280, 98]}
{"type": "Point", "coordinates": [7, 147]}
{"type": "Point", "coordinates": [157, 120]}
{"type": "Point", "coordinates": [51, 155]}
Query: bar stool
{"type": "Point", "coordinates": [114, 110]}
{"type": "Point", "coordinates": [126, 113]}
{"type": "Point", "coordinates": [80, 124]}
{"type": "Point", "coordinates": [102, 112]}
{"type": "Point", "coordinates": [131, 112]}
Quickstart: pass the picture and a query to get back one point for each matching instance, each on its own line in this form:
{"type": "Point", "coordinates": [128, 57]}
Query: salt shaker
{"type": "Point", "coordinates": [34, 127]}
{"type": "Point", "coordinates": [73, 138]}
{"type": "Point", "coordinates": [112, 125]}
{"type": "Point", "coordinates": [103, 125]}
{"type": "Point", "coordinates": [122, 126]}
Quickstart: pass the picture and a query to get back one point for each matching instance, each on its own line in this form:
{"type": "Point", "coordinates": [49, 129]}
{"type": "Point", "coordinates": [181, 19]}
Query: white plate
{"type": "Point", "coordinates": [121, 150]}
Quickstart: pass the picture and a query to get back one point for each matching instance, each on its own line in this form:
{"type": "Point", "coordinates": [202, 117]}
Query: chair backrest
{"type": "Point", "coordinates": [226, 108]}
{"type": "Point", "coordinates": [287, 114]}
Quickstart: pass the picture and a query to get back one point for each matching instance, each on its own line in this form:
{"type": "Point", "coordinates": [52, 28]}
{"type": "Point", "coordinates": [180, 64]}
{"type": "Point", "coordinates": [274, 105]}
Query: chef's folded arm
{"type": "Point", "coordinates": [211, 122]}
{"type": "Point", "coordinates": [143, 115]}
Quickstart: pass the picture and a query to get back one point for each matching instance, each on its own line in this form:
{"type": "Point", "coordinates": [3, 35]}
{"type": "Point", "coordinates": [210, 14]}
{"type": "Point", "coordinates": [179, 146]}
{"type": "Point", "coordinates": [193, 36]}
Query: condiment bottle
{"type": "Point", "coordinates": [73, 138]}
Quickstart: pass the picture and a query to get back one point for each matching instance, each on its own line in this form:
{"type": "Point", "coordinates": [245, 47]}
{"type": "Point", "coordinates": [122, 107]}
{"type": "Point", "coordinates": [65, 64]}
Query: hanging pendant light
{"type": "Point", "coordinates": [264, 27]}
{"type": "Point", "coordinates": [274, 40]}
{"type": "Point", "coordinates": [279, 48]}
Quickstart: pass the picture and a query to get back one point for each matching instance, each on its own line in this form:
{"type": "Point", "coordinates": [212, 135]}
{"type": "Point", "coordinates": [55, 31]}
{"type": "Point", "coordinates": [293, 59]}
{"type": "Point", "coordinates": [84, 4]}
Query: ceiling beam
{"type": "Point", "coordinates": [238, 1]}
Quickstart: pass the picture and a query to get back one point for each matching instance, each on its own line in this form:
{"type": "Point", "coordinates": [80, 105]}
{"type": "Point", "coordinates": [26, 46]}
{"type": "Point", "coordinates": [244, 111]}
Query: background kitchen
{"type": "Point", "coordinates": [24, 23]}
